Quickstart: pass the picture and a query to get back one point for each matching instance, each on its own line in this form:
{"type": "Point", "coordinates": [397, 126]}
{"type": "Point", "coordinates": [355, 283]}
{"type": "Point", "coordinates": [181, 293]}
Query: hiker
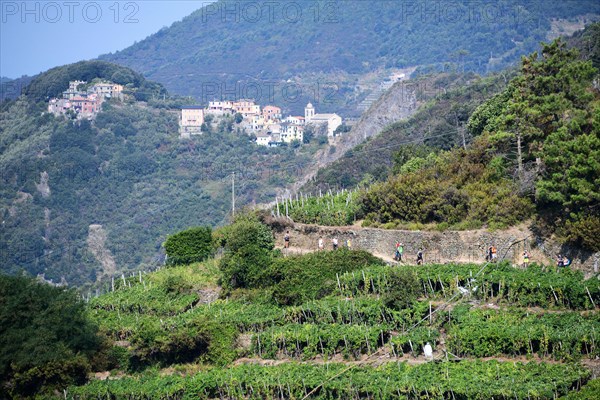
{"type": "Point", "coordinates": [525, 259]}
{"type": "Point", "coordinates": [348, 244]}
{"type": "Point", "coordinates": [420, 257]}
{"type": "Point", "coordinates": [494, 253]}
{"type": "Point", "coordinates": [488, 255]}
{"type": "Point", "coordinates": [560, 261]}
{"type": "Point", "coordinates": [320, 242]}
{"type": "Point", "coordinates": [335, 243]}
{"type": "Point", "coordinates": [399, 251]}
{"type": "Point", "coordinates": [566, 262]}
{"type": "Point", "coordinates": [286, 240]}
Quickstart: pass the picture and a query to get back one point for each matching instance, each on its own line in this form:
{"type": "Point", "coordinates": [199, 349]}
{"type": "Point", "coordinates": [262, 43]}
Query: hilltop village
{"type": "Point", "coordinates": [82, 100]}
{"type": "Point", "coordinates": [268, 124]}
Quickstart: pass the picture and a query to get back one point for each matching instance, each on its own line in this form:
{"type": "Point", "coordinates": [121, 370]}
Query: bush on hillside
{"type": "Point", "coordinates": [191, 245]}
{"type": "Point", "coordinates": [196, 340]}
{"type": "Point", "coordinates": [403, 289]}
{"type": "Point", "coordinates": [248, 244]}
{"type": "Point", "coordinates": [297, 279]}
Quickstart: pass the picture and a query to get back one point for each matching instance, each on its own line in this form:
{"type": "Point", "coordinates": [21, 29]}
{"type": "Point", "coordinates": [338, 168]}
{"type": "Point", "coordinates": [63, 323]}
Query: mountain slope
{"type": "Point", "coordinates": [81, 201]}
{"type": "Point", "coordinates": [218, 50]}
{"type": "Point", "coordinates": [446, 101]}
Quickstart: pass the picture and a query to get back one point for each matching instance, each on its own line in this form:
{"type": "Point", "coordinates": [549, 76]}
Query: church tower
{"type": "Point", "coordinates": [309, 112]}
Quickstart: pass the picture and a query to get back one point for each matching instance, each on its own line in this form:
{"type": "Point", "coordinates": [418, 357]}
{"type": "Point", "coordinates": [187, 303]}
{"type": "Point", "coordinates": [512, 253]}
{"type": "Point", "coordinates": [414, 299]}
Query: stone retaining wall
{"type": "Point", "coordinates": [443, 247]}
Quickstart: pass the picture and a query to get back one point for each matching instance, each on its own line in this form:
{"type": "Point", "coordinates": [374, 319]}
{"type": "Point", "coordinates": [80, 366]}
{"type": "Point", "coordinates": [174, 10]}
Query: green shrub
{"type": "Point", "coordinates": [402, 290]}
{"type": "Point", "coordinates": [248, 230]}
{"type": "Point", "coordinates": [176, 284]}
{"type": "Point", "coordinates": [245, 268]}
{"type": "Point", "coordinates": [191, 245]}
{"type": "Point", "coordinates": [297, 279]}
{"type": "Point", "coordinates": [165, 343]}
{"type": "Point", "coordinates": [248, 244]}
{"type": "Point", "coordinates": [46, 339]}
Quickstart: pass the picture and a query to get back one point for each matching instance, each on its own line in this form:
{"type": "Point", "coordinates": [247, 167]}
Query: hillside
{"type": "Point", "coordinates": [533, 154]}
{"type": "Point", "coordinates": [450, 101]}
{"type": "Point", "coordinates": [257, 322]}
{"type": "Point", "coordinates": [82, 201]}
{"type": "Point", "coordinates": [443, 104]}
{"type": "Point", "coordinates": [236, 48]}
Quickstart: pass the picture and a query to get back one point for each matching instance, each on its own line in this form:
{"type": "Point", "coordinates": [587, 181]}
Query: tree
{"type": "Point", "coordinates": [550, 121]}
{"type": "Point", "coordinates": [248, 244]}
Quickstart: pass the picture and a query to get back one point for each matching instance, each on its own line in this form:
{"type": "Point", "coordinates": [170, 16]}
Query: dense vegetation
{"type": "Point", "coordinates": [191, 245]}
{"type": "Point", "coordinates": [127, 171]}
{"type": "Point", "coordinates": [46, 338]}
{"type": "Point", "coordinates": [441, 123]}
{"type": "Point", "coordinates": [317, 43]}
{"type": "Point", "coordinates": [395, 380]}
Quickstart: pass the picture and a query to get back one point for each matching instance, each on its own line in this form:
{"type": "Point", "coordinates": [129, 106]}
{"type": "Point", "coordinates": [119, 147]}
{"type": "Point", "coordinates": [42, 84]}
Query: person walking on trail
{"type": "Point", "coordinates": [320, 242]}
{"type": "Point", "coordinates": [488, 255]}
{"type": "Point", "coordinates": [335, 243]}
{"type": "Point", "coordinates": [420, 257]}
{"type": "Point", "coordinates": [348, 244]}
{"type": "Point", "coordinates": [400, 251]}
{"type": "Point", "coordinates": [494, 253]}
{"type": "Point", "coordinates": [286, 240]}
{"type": "Point", "coordinates": [525, 259]}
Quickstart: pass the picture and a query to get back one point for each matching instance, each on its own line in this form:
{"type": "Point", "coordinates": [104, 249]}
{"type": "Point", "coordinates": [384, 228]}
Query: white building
{"type": "Point", "coordinates": [263, 139]}
{"type": "Point", "coordinates": [291, 132]}
{"type": "Point", "coordinates": [295, 120]}
{"type": "Point", "coordinates": [332, 121]}
{"type": "Point", "coordinates": [220, 107]}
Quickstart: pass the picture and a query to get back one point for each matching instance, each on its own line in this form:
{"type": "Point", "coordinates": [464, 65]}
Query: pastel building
{"type": "Point", "coordinates": [73, 90]}
{"type": "Point", "coordinates": [271, 113]}
{"type": "Point", "coordinates": [246, 107]}
{"type": "Point", "coordinates": [86, 107]}
{"type": "Point", "coordinates": [190, 123]}
{"type": "Point", "coordinates": [108, 89]}
{"type": "Point", "coordinates": [290, 132]}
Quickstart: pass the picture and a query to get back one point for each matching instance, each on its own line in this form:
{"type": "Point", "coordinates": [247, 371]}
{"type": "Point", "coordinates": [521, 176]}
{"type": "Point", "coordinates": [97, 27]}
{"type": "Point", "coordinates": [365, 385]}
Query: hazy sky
{"type": "Point", "coordinates": [38, 35]}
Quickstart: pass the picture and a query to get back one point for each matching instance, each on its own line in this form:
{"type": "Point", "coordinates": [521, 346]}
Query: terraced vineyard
{"type": "Point", "coordinates": [496, 332]}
